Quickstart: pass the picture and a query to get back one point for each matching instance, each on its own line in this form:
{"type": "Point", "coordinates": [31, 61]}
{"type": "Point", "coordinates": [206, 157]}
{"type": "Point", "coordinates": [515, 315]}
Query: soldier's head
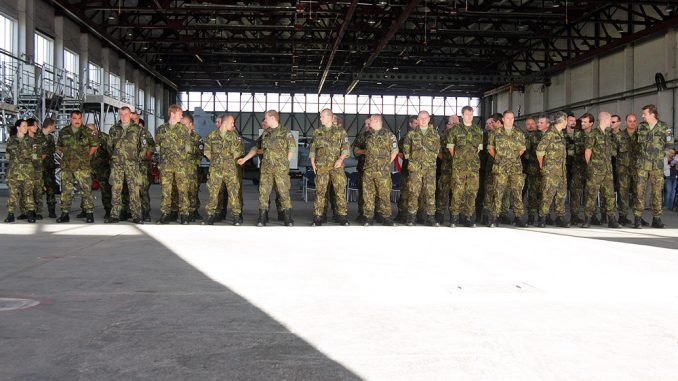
{"type": "Point", "coordinates": [604, 120]}
{"type": "Point", "coordinates": [507, 119]}
{"type": "Point", "coordinates": [217, 122]}
{"type": "Point", "coordinates": [376, 122]}
{"type": "Point", "coordinates": [650, 114]}
{"type": "Point", "coordinates": [326, 117]}
{"type": "Point", "coordinates": [367, 123]}
{"type": "Point", "coordinates": [615, 123]}
{"type": "Point", "coordinates": [32, 126]}
{"type": "Point", "coordinates": [93, 128]}
{"type": "Point", "coordinates": [497, 120]}
{"type": "Point", "coordinates": [125, 115]}
{"type": "Point", "coordinates": [76, 119]}
{"type": "Point", "coordinates": [453, 120]}
{"type": "Point", "coordinates": [587, 121]}
{"type": "Point", "coordinates": [423, 119]}
{"type": "Point", "coordinates": [135, 117]}
{"type": "Point", "coordinates": [467, 115]}
{"type": "Point", "coordinates": [489, 124]}
{"type": "Point", "coordinates": [571, 121]}
{"type": "Point", "coordinates": [272, 118]}
{"type": "Point", "coordinates": [48, 126]}
{"type": "Point", "coordinates": [543, 123]}
{"type": "Point", "coordinates": [21, 127]}
{"type": "Point", "coordinates": [175, 113]}
{"type": "Point", "coordinates": [530, 124]}
{"type": "Point", "coordinates": [187, 120]}
{"type": "Point", "coordinates": [631, 122]}
{"type": "Point", "coordinates": [413, 123]}
{"type": "Point", "coordinates": [560, 120]}
{"type": "Point", "coordinates": [228, 123]}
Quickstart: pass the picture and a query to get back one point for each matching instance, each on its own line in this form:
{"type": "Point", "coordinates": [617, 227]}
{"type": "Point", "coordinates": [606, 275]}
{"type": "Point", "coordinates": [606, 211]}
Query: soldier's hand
{"type": "Point", "coordinates": [338, 163]}
{"type": "Point", "coordinates": [241, 161]}
{"type": "Point", "coordinates": [314, 168]}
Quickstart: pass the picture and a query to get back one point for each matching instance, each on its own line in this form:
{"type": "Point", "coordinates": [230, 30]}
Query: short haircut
{"type": "Point", "coordinates": [543, 116]}
{"type": "Point", "coordinates": [125, 108]}
{"type": "Point", "coordinates": [48, 122]}
{"type": "Point", "coordinates": [133, 112]}
{"type": "Point", "coordinates": [570, 114]}
{"type": "Point", "coordinates": [560, 117]}
{"type": "Point", "coordinates": [173, 108]}
{"type": "Point", "coordinates": [327, 111]}
{"type": "Point", "coordinates": [32, 122]}
{"type": "Point", "coordinates": [616, 116]}
{"type": "Point", "coordinates": [588, 116]}
{"type": "Point", "coordinates": [76, 112]}
{"type": "Point", "coordinates": [652, 109]}
{"type": "Point", "coordinates": [274, 114]}
{"type": "Point", "coordinates": [189, 117]}
{"type": "Point", "coordinates": [508, 112]}
{"type": "Point", "coordinates": [466, 108]}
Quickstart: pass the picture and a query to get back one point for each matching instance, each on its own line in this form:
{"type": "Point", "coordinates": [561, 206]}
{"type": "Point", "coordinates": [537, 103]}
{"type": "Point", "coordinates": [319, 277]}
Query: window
{"type": "Point", "coordinates": [246, 102]}
{"type": "Point", "coordinates": [376, 106]}
{"type": "Point", "coordinates": [285, 103]}
{"type": "Point", "coordinates": [389, 105]}
{"type": "Point", "coordinates": [44, 56]}
{"type": "Point", "coordinates": [71, 64]}
{"type": "Point", "coordinates": [7, 38]}
{"type": "Point", "coordinates": [114, 86]}
{"type": "Point", "coordinates": [220, 102]}
{"type": "Point", "coordinates": [401, 105]}
{"type": "Point", "coordinates": [93, 78]}
{"type": "Point", "coordinates": [141, 100]}
{"type": "Point", "coordinates": [338, 104]}
{"type": "Point", "coordinates": [351, 104]}
{"type": "Point", "coordinates": [363, 104]}
{"type": "Point", "coordinates": [259, 102]}
{"type": "Point", "coordinates": [207, 101]}
{"type": "Point", "coordinates": [312, 103]}
{"type": "Point", "coordinates": [130, 90]}
{"type": "Point", "coordinates": [272, 101]}
{"type": "Point", "coordinates": [234, 102]}
{"type": "Point", "coordinates": [194, 100]}
{"type": "Point", "coordinates": [299, 103]}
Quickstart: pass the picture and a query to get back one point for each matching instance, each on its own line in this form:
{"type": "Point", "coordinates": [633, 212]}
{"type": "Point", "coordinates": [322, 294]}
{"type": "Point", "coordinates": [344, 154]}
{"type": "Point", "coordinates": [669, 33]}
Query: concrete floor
{"type": "Point", "coordinates": [336, 303]}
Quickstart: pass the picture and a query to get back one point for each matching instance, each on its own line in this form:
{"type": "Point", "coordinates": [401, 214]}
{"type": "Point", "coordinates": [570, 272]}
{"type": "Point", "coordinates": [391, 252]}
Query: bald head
{"type": "Point", "coordinates": [604, 119]}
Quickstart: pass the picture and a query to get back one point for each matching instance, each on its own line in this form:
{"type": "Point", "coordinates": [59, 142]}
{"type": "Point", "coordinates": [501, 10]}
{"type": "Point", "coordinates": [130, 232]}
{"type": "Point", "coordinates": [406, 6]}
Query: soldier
{"type": "Point", "coordinates": [101, 167]}
{"type": "Point", "coordinates": [328, 151]}
{"type": "Point", "coordinates": [626, 156]}
{"type": "Point", "coordinates": [77, 146]}
{"type": "Point", "coordinates": [444, 185]}
{"type": "Point", "coordinates": [569, 144]}
{"type": "Point", "coordinates": [358, 148]}
{"type": "Point", "coordinates": [485, 197]}
{"type": "Point", "coordinates": [404, 173]}
{"type": "Point", "coordinates": [145, 168]}
{"type": "Point", "coordinates": [381, 149]}
{"type": "Point", "coordinates": [49, 165]}
{"type": "Point", "coordinates": [532, 171]}
{"type": "Point", "coordinates": [552, 157]}
{"type": "Point", "coordinates": [600, 148]}
{"type": "Point", "coordinates": [506, 146]}
{"type": "Point", "coordinates": [421, 148]}
{"type": "Point", "coordinates": [128, 148]}
{"type": "Point", "coordinates": [579, 167]}
{"type": "Point", "coordinates": [464, 143]}
{"type": "Point", "coordinates": [21, 172]}
{"type": "Point", "coordinates": [175, 146]}
{"type": "Point", "coordinates": [193, 168]}
{"type": "Point", "coordinates": [223, 147]}
{"type": "Point", "coordinates": [653, 139]}
{"type": "Point", "coordinates": [278, 147]}
{"type": "Point", "coordinates": [38, 148]}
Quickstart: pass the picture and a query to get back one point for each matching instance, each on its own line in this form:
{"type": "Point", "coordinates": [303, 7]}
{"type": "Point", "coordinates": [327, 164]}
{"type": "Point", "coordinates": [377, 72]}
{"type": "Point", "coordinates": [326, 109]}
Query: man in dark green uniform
{"type": "Point", "coordinates": [381, 149]}
{"type": "Point", "coordinates": [49, 165]}
{"type": "Point", "coordinates": [626, 157]}
{"type": "Point", "coordinates": [552, 157]}
{"type": "Point", "coordinates": [358, 149]}
{"type": "Point", "coordinates": [20, 174]}
{"type": "Point", "coordinates": [579, 167]}
{"type": "Point", "coordinates": [444, 185]}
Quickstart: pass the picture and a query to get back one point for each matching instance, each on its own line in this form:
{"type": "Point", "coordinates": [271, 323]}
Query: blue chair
{"type": "Point", "coordinates": [308, 184]}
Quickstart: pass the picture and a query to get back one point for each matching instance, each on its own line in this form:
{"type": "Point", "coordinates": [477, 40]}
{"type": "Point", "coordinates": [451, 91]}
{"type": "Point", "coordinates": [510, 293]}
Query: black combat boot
{"type": "Point", "coordinates": [174, 216]}
{"type": "Point", "coordinates": [111, 220]}
{"type": "Point", "coordinates": [368, 221]}
{"type": "Point", "coordinates": [89, 218]}
{"type": "Point", "coordinates": [637, 222]}
{"type": "Point", "coordinates": [147, 216]}
{"type": "Point", "coordinates": [561, 222]}
{"type": "Point", "coordinates": [124, 216]}
{"type": "Point", "coordinates": [491, 222]}
{"type": "Point", "coordinates": [411, 219]}
{"type": "Point", "coordinates": [237, 220]}
{"type": "Point", "coordinates": [603, 219]}
{"type": "Point", "coordinates": [587, 222]}
{"type": "Point", "coordinates": [657, 223]}
{"type": "Point", "coordinates": [421, 218]}
{"type": "Point", "coordinates": [454, 221]}
{"type": "Point", "coordinates": [549, 220]}
{"type": "Point", "coordinates": [288, 217]}
{"type": "Point", "coordinates": [30, 217]}
{"type": "Point", "coordinates": [594, 220]}
{"type": "Point", "coordinates": [209, 220]}
{"type": "Point", "coordinates": [197, 216]}
{"type": "Point", "coordinates": [343, 221]}
{"type": "Point", "coordinates": [519, 222]}
{"type": "Point", "coordinates": [323, 218]}
{"type": "Point", "coordinates": [10, 218]}
{"type": "Point", "coordinates": [505, 220]}
{"type": "Point", "coordinates": [470, 222]}
{"type": "Point", "coordinates": [378, 218]}
{"type": "Point", "coordinates": [82, 214]}
{"type": "Point", "coordinates": [184, 219]}
{"type": "Point", "coordinates": [623, 220]}
{"type": "Point", "coordinates": [317, 221]}
{"type": "Point", "coordinates": [164, 219]}
{"type": "Point", "coordinates": [22, 216]}
{"type": "Point", "coordinates": [262, 218]}
{"type": "Point", "coordinates": [575, 220]}
{"type": "Point", "coordinates": [612, 222]}
{"type": "Point", "coordinates": [63, 218]}
{"type": "Point", "coordinates": [52, 212]}
{"type": "Point", "coordinates": [387, 221]}
{"type": "Point", "coordinates": [484, 219]}
{"type": "Point", "coordinates": [540, 222]}
{"type": "Point", "coordinates": [530, 219]}
{"type": "Point", "coordinates": [463, 220]}
{"type": "Point", "coordinates": [38, 216]}
{"type": "Point", "coordinates": [107, 213]}
{"type": "Point", "coordinates": [431, 221]}
{"type": "Point", "coordinates": [440, 218]}
{"type": "Point", "coordinates": [138, 221]}
{"type": "Point", "coordinates": [281, 216]}
{"type": "Point", "coordinates": [221, 216]}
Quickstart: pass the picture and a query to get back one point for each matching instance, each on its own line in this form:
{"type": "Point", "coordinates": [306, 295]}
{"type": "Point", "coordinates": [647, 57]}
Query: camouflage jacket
{"type": "Point", "coordinates": [358, 144]}
{"type": "Point", "coordinates": [20, 155]}
{"type": "Point", "coordinates": [532, 140]}
{"type": "Point", "coordinates": [652, 145]}
{"type": "Point", "coordinates": [444, 152]}
{"type": "Point", "coordinates": [602, 148]}
{"type": "Point", "coordinates": [467, 142]}
{"type": "Point", "coordinates": [380, 146]}
{"type": "Point", "coordinates": [174, 144]}
{"type": "Point", "coordinates": [75, 146]}
{"type": "Point", "coordinates": [569, 144]}
{"type": "Point", "coordinates": [580, 146]}
{"type": "Point", "coordinates": [328, 145]}
{"type": "Point", "coordinates": [421, 148]}
{"type": "Point", "coordinates": [197, 149]}
{"type": "Point", "coordinates": [150, 143]}
{"type": "Point", "coordinates": [553, 148]}
{"type": "Point", "coordinates": [276, 143]}
{"type": "Point", "coordinates": [127, 145]}
{"type": "Point", "coordinates": [39, 144]}
{"type": "Point", "coordinates": [507, 145]}
{"type": "Point", "coordinates": [49, 148]}
{"type": "Point", "coordinates": [101, 160]}
{"type": "Point", "coordinates": [223, 149]}
{"type": "Point", "coordinates": [626, 151]}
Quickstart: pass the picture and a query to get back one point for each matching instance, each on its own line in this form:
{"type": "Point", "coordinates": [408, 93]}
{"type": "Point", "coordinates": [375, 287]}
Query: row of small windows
{"type": "Point", "coordinates": [313, 103]}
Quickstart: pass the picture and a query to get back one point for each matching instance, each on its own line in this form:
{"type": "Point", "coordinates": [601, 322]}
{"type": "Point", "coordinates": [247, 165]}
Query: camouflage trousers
{"type": "Point", "coordinates": [129, 175]}
{"type": "Point", "coordinates": [38, 190]}
{"type": "Point", "coordinates": [578, 184]}
{"type": "Point", "coordinates": [219, 179]}
{"type": "Point", "coordinates": [84, 179]}
{"type": "Point", "coordinates": [323, 178]}
{"type": "Point", "coordinates": [489, 192]}
{"type": "Point", "coordinates": [553, 190]}
{"type": "Point", "coordinates": [146, 180]}
{"type": "Point", "coordinates": [444, 190]}
{"type": "Point", "coordinates": [603, 183]}
{"type": "Point", "coordinates": [361, 197]}
{"type": "Point", "coordinates": [223, 199]}
{"type": "Point", "coordinates": [103, 176]}
{"type": "Point", "coordinates": [534, 193]}
{"type": "Point", "coordinates": [193, 189]}
{"type": "Point", "coordinates": [169, 178]}
{"type": "Point", "coordinates": [422, 183]}
{"type": "Point", "coordinates": [50, 185]}
{"type": "Point", "coordinates": [278, 178]}
{"type": "Point", "coordinates": [20, 191]}
{"type": "Point", "coordinates": [627, 185]}
{"type": "Point", "coordinates": [404, 191]}
{"type": "Point", "coordinates": [656, 179]}
{"type": "Point", "coordinates": [512, 182]}
{"type": "Point", "coordinates": [464, 190]}
{"type": "Point", "coordinates": [377, 190]}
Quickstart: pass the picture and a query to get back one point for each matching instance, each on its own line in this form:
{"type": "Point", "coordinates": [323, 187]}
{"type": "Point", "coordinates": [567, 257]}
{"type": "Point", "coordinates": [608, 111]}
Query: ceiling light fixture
{"type": "Point", "coordinates": [199, 59]}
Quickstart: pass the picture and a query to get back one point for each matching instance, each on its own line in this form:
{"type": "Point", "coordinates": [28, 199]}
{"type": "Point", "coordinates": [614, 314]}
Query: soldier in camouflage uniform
{"type": "Point", "coordinates": [600, 147]}
{"type": "Point", "coordinates": [444, 185]}
{"type": "Point", "coordinates": [77, 144]}
{"type": "Point", "coordinates": [21, 172]}
{"type": "Point", "coordinates": [579, 167]}
{"type": "Point", "coordinates": [38, 148]}
{"type": "Point", "coordinates": [626, 156]}
{"type": "Point", "coordinates": [485, 196]}
{"type": "Point", "coordinates": [175, 146]}
{"type": "Point", "coordinates": [192, 168]}
{"type": "Point", "coordinates": [49, 165]}
{"type": "Point", "coordinates": [278, 146]}
{"type": "Point", "coordinates": [421, 148]}
{"type": "Point", "coordinates": [532, 139]}
{"type": "Point", "coordinates": [145, 168]}
{"type": "Point", "coordinates": [128, 148]}
{"type": "Point", "coordinates": [506, 146]}
{"type": "Point", "coordinates": [570, 129]}
{"type": "Point", "coordinates": [404, 173]}
{"type": "Point", "coordinates": [223, 147]}
{"type": "Point", "coordinates": [358, 148]}
{"type": "Point", "coordinates": [552, 158]}
{"type": "Point", "coordinates": [381, 149]}
{"type": "Point", "coordinates": [328, 151]}
{"type": "Point", "coordinates": [653, 140]}
{"type": "Point", "coordinates": [101, 167]}
{"type": "Point", "coordinates": [465, 143]}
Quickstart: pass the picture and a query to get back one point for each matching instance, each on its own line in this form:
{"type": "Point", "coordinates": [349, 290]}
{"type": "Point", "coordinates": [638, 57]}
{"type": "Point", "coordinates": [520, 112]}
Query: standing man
{"type": "Point", "coordinates": [506, 147]}
{"type": "Point", "coordinates": [444, 186]}
{"type": "Point", "coordinates": [579, 167]}
{"type": "Point", "coordinates": [328, 151]}
{"type": "Point", "coordinates": [532, 170]}
{"type": "Point", "coordinates": [48, 164]}
{"type": "Point", "coordinates": [552, 156]}
{"type": "Point", "coordinates": [569, 144]}
{"type": "Point", "coordinates": [381, 149]}
{"type": "Point", "coordinates": [278, 146]}
{"type": "Point", "coordinates": [421, 148]}
{"type": "Point", "coordinates": [223, 147]}
{"type": "Point", "coordinates": [600, 148]}
{"type": "Point", "coordinates": [77, 145]}
{"type": "Point", "coordinates": [358, 147]}
{"type": "Point", "coordinates": [464, 143]}
{"type": "Point", "coordinates": [653, 140]}
{"type": "Point", "coordinates": [145, 168]}
{"type": "Point", "coordinates": [626, 157]}
{"type": "Point", "coordinates": [101, 167]}
{"type": "Point", "coordinates": [20, 173]}
{"type": "Point", "coordinates": [193, 167]}
{"type": "Point", "coordinates": [404, 173]}
{"type": "Point", "coordinates": [128, 148]}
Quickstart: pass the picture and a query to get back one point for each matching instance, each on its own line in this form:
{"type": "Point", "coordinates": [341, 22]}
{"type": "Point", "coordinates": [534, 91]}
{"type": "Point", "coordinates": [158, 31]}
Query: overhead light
{"type": "Point", "coordinates": [129, 34]}
{"type": "Point", "coordinates": [371, 21]}
{"type": "Point", "coordinates": [111, 17]}
{"type": "Point", "coordinates": [382, 3]}
{"type": "Point", "coordinates": [199, 59]}
{"type": "Point", "coordinates": [145, 48]}
{"type": "Point", "coordinates": [159, 59]}
{"type": "Point", "coordinates": [395, 67]}
{"type": "Point", "coordinates": [419, 61]}
{"type": "Point", "coordinates": [378, 83]}
{"type": "Point", "coordinates": [300, 8]}
{"type": "Point", "coordinates": [219, 82]}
